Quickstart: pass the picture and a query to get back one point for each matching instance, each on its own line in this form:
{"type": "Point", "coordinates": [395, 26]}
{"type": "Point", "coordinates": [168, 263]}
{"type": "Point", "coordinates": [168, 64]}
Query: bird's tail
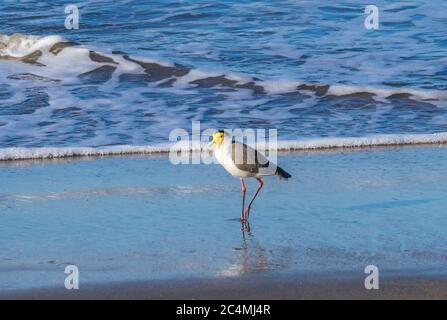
{"type": "Point", "coordinates": [283, 175]}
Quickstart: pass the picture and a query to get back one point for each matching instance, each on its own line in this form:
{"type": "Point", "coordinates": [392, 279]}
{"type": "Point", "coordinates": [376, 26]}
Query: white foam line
{"type": "Point", "coordinates": [9, 154]}
{"type": "Point", "coordinates": [363, 142]}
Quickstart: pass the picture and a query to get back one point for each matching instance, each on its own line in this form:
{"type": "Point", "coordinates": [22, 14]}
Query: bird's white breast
{"type": "Point", "coordinates": [223, 156]}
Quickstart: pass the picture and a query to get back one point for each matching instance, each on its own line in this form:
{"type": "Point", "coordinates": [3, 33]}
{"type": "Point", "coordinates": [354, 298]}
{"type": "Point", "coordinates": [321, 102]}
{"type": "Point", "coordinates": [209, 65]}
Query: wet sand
{"type": "Point", "coordinates": [141, 227]}
{"type": "Point", "coordinates": [251, 288]}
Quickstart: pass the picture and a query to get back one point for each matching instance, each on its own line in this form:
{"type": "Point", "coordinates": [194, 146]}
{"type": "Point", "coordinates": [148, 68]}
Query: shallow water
{"type": "Point", "coordinates": [306, 68]}
{"type": "Point", "coordinates": [128, 218]}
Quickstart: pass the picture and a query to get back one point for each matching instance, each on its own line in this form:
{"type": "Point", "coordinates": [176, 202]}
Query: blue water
{"type": "Point", "coordinates": [136, 70]}
{"type": "Point", "coordinates": [394, 79]}
{"type": "Point", "coordinates": [339, 213]}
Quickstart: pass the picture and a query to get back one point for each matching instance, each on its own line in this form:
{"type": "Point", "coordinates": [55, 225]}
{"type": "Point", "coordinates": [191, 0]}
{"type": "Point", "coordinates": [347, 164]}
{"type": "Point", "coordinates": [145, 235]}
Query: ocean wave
{"type": "Point", "coordinates": [11, 154]}
{"type": "Point", "coordinates": [54, 92]}
{"type": "Point", "coordinates": [106, 192]}
{"type": "Point", "coordinates": [57, 57]}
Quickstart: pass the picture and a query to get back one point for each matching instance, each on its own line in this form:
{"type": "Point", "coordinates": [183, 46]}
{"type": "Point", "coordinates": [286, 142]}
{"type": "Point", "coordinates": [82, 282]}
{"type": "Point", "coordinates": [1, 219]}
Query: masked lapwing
{"type": "Point", "coordinates": [242, 161]}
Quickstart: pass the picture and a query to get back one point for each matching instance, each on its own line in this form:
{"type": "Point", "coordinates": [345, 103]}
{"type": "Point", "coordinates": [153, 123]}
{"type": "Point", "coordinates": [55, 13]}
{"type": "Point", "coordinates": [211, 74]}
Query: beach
{"type": "Point", "coordinates": [97, 98]}
{"type": "Point", "coordinates": [141, 227]}
{"type": "Point", "coordinates": [250, 288]}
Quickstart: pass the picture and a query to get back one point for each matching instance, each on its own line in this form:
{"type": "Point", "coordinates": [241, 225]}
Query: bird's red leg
{"type": "Point", "coordinates": [257, 191]}
{"type": "Point", "coordinates": [244, 189]}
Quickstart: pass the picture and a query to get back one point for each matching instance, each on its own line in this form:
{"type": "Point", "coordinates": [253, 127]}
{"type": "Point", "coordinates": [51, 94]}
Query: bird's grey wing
{"type": "Point", "coordinates": [248, 159]}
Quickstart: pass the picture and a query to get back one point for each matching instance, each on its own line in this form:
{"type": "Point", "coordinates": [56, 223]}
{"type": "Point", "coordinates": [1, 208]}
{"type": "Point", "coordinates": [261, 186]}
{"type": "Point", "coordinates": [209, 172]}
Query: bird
{"type": "Point", "coordinates": [243, 161]}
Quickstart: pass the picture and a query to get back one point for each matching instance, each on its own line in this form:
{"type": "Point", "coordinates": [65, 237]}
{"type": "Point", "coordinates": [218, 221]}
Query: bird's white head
{"type": "Point", "coordinates": [218, 138]}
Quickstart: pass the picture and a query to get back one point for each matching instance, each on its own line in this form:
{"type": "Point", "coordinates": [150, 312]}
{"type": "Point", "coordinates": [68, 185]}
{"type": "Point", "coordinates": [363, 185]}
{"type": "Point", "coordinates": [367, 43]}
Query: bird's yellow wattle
{"type": "Point", "coordinates": [218, 138]}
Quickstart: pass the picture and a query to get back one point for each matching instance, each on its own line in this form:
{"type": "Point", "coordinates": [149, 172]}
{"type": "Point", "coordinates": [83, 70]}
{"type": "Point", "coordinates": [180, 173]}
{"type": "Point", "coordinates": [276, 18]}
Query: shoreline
{"type": "Point", "coordinates": [191, 147]}
{"type": "Point", "coordinates": [255, 287]}
{"type": "Point", "coordinates": [67, 153]}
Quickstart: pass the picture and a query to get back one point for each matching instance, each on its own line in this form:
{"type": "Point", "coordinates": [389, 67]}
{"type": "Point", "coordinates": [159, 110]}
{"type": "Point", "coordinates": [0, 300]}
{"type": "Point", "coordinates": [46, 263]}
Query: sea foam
{"type": "Point", "coordinates": [73, 60]}
{"type": "Point", "coordinates": [10, 154]}
{"type": "Point", "coordinates": [54, 92]}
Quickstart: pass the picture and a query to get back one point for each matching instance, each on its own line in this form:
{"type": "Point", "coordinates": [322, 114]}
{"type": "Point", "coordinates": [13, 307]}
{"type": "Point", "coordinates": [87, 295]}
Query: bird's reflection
{"type": "Point", "coordinates": [256, 254]}
{"type": "Point", "coordinates": [246, 229]}
{"type": "Point", "coordinates": [251, 257]}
